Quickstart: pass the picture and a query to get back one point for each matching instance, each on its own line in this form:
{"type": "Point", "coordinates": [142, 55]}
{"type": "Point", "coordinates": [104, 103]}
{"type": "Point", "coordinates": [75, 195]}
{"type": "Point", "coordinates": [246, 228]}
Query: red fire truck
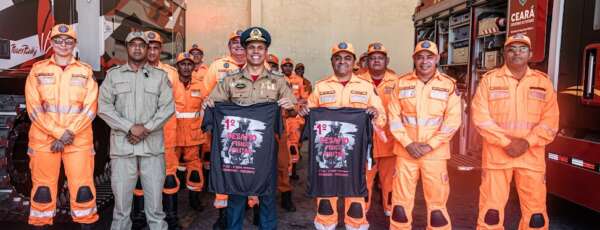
{"type": "Point", "coordinates": [566, 45]}
{"type": "Point", "coordinates": [101, 30]}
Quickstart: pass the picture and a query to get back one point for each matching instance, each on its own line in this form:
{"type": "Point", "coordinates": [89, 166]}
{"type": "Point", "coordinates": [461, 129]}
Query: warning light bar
{"type": "Point", "coordinates": [595, 167]}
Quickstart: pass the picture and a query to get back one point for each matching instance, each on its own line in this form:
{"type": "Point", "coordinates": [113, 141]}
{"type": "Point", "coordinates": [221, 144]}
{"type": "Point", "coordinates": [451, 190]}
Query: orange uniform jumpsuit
{"type": "Point", "coordinates": [504, 108]}
{"type": "Point", "coordinates": [357, 93]}
{"type": "Point", "coordinates": [59, 100]}
{"type": "Point", "coordinates": [294, 125]}
{"type": "Point", "coordinates": [383, 147]}
{"type": "Point", "coordinates": [215, 74]}
{"type": "Point", "coordinates": [426, 113]}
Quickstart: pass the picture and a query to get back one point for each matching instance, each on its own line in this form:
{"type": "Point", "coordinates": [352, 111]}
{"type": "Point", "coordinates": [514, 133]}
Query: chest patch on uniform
{"type": "Point", "coordinates": [327, 92]}
{"type": "Point", "coordinates": [537, 93]}
{"type": "Point", "coordinates": [226, 65]}
{"type": "Point", "coordinates": [196, 93]}
{"type": "Point", "coordinates": [327, 98]}
{"type": "Point", "coordinates": [76, 81]}
{"type": "Point", "coordinates": [358, 92]}
{"type": "Point", "coordinates": [79, 76]}
{"type": "Point", "coordinates": [407, 93]}
{"type": "Point", "coordinates": [496, 94]}
{"type": "Point", "coordinates": [439, 93]}
{"type": "Point", "coordinates": [388, 90]}
{"type": "Point", "coordinates": [46, 78]}
{"type": "Point", "coordinates": [240, 85]}
{"type": "Point", "coordinates": [359, 98]}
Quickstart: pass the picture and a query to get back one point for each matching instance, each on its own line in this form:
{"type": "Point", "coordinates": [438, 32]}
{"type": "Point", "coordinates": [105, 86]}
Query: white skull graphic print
{"type": "Point", "coordinates": [334, 142]}
{"type": "Point", "coordinates": [241, 137]}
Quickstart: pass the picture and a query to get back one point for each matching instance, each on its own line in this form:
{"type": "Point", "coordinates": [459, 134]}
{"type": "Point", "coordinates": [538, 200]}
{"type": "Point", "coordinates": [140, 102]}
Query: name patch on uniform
{"type": "Point", "coordinates": [196, 93]}
{"type": "Point", "coordinates": [77, 81]}
{"type": "Point", "coordinates": [327, 98]}
{"type": "Point", "coordinates": [407, 93]}
{"type": "Point", "coordinates": [537, 93]}
{"type": "Point", "coordinates": [359, 98]}
{"type": "Point", "coordinates": [79, 76]}
{"type": "Point", "coordinates": [439, 93]}
{"type": "Point", "coordinates": [407, 87]}
{"type": "Point", "coordinates": [496, 94]}
{"type": "Point", "coordinates": [46, 78]}
{"type": "Point", "coordinates": [327, 92]}
{"type": "Point", "coordinates": [358, 92]}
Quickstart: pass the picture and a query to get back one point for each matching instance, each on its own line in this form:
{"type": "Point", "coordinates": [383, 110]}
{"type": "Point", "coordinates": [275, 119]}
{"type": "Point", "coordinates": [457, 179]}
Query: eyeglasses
{"type": "Point", "coordinates": [60, 41]}
{"type": "Point", "coordinates": [516, 49]}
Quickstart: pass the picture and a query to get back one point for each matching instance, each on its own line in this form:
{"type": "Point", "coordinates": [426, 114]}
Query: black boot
{"type": "Point", "coordinates": [286, 201]}
{"type": "Point", "coordinates": [170, 208]}
{"type": "Point", "coordinates": [294, 175]}
{"type": "Point", "coordinates": [195, 202]}
{"type": "Point", "coordinates": [256, 219]}
{"type": "Point", "coordinates": [87, 226]}
{"type": "Point", "coordinates": [138, 216]}
{"type": "Point", "coordinates": [221, 223]}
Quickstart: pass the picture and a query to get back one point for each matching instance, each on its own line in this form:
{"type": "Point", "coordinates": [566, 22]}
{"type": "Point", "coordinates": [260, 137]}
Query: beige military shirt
{"type": "Point", "coordinates": [142, 97]}
{"type": "Point", "coordinates": [238, 87]}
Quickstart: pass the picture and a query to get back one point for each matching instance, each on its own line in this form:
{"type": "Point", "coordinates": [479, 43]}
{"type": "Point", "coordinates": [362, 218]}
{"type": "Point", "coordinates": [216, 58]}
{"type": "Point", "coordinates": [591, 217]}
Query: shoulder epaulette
{"type": "Point", "coordinates": [449, 78]}
{"type": "Point", "coordinates": [113, 68]}
{"type": "Point", "coordinates": [540, 72]}
{"type": "Point", "coordinates": [276, 73]}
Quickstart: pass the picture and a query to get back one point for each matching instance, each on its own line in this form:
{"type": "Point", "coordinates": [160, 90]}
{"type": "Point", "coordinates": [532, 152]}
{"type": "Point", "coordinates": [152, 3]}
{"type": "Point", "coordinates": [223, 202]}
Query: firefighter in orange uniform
{"type": "Point", "coordinates": [424, 115]}
{"type": "Point", "coordinates": [344, 89]}
{"type": "Point", "coordinates": [198, 54]}
{"type": "Point", "coordinates": [299, 71]}
{"type": "Point", "coordinates": [516, 111]}
{"type": "Point", "coordinates": [215, 74]}
{"type": "Point", "coordinates": [293, 123]}
{"type": "Point", "coordinates": [272, 62]}
{"type": "Point", "coordinates": [383, 144]}
{"type": "Point", "coordinates": [61, 95]}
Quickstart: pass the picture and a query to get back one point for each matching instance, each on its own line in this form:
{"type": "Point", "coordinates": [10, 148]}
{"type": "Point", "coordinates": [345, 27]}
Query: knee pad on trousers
{"type": "Point", "coordinates": [138, 184]}
{"type": "Point", "coordinates": [170, 182]}
{"type": "Point", "coordinates": [492, 217]}
{"type": "Point", "coordinates": [399, 215]}
{"type": "Point", "coordinates": [293, 150]}
{"type": "Point", "coordinates": [84, 194]}
{"type": "Point", "coordinates": [195, 176]}
{"type": "Point", "coordinates": [437, 219]}
{"type": "Point", "coordinates": [42, 195]}
{"type": "Point", "coordinates": [355, 210]}
{"type": "Point", "coordinates": [537, 221]}
{"type": "Point", "coordinates": [325, 208]}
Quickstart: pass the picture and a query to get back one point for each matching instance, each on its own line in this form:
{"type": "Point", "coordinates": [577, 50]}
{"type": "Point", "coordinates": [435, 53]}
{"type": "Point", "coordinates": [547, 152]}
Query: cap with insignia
{"type": "Point", "coordinates": [235, 34]}
{"type": "Point", "coordinates": [343, 46]}
{"type": "Point", "coordinates": [272, 58]}
{"type": "Point", "coordinates": [196, 47]}
{"type": "Point", "coordinates": [184, 56]}
{"type": "Point", "coordinates": [376, 47]}
{"type": "Point", "coordinates": [426, 45]}
{"type": "Point", "coordinates": [136, 35]}
{"type": "Point", "coordinates": [255, 34]}
{"type": "Point", "coordinates": [287, 61]}
{"type": "Point", "coordinates": [63, 29]}
{"type": "Point", "coordinates": [153, 37]}
{"type": "Point", "coordinates": [522, 38]}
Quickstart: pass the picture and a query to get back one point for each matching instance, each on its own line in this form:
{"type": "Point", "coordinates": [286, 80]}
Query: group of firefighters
{"type": "Point", "coordinates": [155, 113]}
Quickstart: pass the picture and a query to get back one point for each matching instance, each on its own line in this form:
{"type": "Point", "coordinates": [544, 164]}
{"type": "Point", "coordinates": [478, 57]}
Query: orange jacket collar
{"type": "Point", "coordinates": [507, 72]}
{"type": "Point", "coordinates": [53, 61]}
{"type": "Point", "coordinates": [386, 77]}
{"type": "Point", "coordinates": [437, 75]}
{"type": "Point", "coordinates": [353, 79]}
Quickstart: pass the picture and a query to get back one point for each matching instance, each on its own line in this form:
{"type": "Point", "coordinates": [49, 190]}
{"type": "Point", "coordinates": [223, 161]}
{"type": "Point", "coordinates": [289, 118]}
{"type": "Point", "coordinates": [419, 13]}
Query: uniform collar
{"type": "Point", "coordinates": [386, 77]}
{"type": "Point", "coordinates": [230, 59]}
{"type": "Point", "coordinates": [506, 72]}
{"type": "Point", "coordinates": [247, 75]}
{"type": "Point", "coordinates": [353, 79]}
{"type": "Point", "coordinates": [72, 61]}
{"type": "Point", "coordinates": [127, 67]}
{"type": "Point", "coordinates": [413, 75]}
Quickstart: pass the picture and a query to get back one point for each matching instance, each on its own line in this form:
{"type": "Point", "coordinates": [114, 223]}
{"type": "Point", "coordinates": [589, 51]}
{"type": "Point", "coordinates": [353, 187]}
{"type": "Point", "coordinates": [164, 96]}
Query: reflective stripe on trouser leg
{"type": "Point", "coordinates": [403, 196]}
{"type": "Point", "coordinates": [194, 176]}
{"type": "Point", "coordinates": [327, 214]}
{"type": "Point", "coordinates": [45, 168]}
{"type": "Point", "coordinates": [355, 212]}
{"type": "Point", "coordinates": [531, 187]}
{"type": "Point", "coordinates": [79, 169]}
{"type": "Point", "coordinates": [436, 188]}
{"type": "Point", "coordinates": [493, 195]}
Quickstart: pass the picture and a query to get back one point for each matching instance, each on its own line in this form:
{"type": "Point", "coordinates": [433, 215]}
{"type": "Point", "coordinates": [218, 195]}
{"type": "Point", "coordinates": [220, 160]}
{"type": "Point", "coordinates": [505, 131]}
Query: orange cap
{"type": "Point", "coordinates": [235, 34]}
{"type": "Point", "coordinates": [376, 47]}
{"type": "Point", "coordinates": [343, 46]}
{"type": "Point", "coordinates": [184, 56]}
{"type": "Point", "coordinates": [522, 38]}
{"type": "Point", "coordinates": [63, 29]}
{"type": "Point", "coordinates": [196, 47]}
{"type": "Point", "coordinates": [153, 37]}
{"type": "Point", "coordinates": [273, 59]}
{"type": "Point", "coordinates": [287, 61]}
{"type": "Point", "coordinates": [427, 46]}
